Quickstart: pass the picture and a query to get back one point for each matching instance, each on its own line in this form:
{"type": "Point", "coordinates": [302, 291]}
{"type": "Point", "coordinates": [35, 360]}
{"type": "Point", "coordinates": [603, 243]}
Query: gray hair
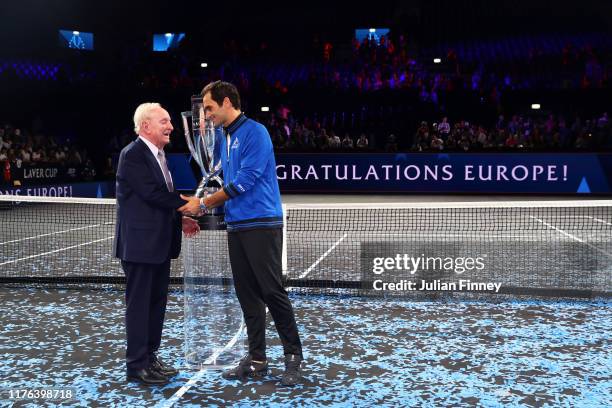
{"type": "Point", "coordinates": [142, 114]}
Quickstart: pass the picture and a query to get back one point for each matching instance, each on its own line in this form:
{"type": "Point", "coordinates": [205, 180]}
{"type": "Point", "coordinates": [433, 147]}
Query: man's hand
{"type": "Point", "coordinates": [192, 207]}
{"type": "Point", "coordinates": [190, 227]}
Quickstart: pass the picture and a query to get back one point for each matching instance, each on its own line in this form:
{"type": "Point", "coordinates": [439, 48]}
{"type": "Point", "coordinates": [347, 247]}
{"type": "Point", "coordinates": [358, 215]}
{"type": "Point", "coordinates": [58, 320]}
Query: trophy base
{"type": "Point", "coordinates": [212, 222]}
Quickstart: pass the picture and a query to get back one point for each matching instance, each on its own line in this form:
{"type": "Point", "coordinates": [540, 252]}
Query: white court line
{"type": "Point", "coordinates": [453, 204]}
{"type": "Point", "coordinates": [55, 251]}
{"type": "Point", "coordinates": [557, 229]}
{"type": "Point", "coordinates": [567, 234]}
{"type": "Point", "coordinates": [570, 216]}
{"type": "Point", "coordinates": [54, 233]}
{"type": "Point", "coordinates": [602, 221]}
{"type": "Point", "coordinates": [284, 249]}
{"type": "Point", "coordinates": [440, 236]}
{"type": "Point", "coordinates": [193, 380]}
{"type": "Point", "coordinates": [307, 271]}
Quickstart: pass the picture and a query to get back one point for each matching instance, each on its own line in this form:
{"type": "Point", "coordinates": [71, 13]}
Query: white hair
{"type": "Point", "coordinates": [142, 114]}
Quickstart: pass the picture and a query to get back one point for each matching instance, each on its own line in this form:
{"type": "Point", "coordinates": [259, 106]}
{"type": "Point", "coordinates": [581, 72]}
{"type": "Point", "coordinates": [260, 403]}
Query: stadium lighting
{"type": "Point", "coordinates": [437, 60]}
{"type": "Point", "coordinates": [372, 30]}
{"type": "Point", "coordinates": [265, 109]}
{"type": "Point", "coordinates": [168, 34]}
{"type": "Point", "coordinates": [75, 33]}
{"type": "Point", "coordinates": [535, 106]}
{"type": "Point", "coordinates": [204, 65]}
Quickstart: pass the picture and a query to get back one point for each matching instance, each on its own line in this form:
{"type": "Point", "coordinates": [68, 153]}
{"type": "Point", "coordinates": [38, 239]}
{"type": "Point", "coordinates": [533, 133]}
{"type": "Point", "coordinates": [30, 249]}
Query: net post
{"type": "Point", "coordinates": [284, 255]}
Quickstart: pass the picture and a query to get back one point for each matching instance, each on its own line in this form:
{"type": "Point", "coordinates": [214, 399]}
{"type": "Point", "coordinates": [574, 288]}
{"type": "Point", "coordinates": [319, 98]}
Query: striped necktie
{"type": "Point", "coordinates": [164, 166]}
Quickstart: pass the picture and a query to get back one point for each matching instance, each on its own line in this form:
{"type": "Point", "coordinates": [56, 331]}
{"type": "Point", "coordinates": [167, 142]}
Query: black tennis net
{"type": "Point", "coordinates": [555, 248]}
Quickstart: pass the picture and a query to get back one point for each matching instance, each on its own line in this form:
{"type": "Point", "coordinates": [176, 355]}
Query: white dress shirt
{"type": "Point", "coordinates": [155, 150]}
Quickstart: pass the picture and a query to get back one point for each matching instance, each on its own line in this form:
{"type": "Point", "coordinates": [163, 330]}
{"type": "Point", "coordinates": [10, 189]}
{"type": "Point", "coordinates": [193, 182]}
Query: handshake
{"type": "Point", "coordinates": [192, 207]}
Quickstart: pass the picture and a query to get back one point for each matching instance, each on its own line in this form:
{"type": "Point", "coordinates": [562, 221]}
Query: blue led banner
{"type": "Point", "coordinates": [102, 189]}
{"type": "Point", "coordinates": [446, 173]}
{"type": "Point", "coordinates": [527, 173]}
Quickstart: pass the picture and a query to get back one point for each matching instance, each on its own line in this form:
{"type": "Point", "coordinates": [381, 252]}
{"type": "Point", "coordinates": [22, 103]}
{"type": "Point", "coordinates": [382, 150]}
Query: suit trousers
{"type": "Point", "coordinates": [146, 295]}
{"type": "Point", "coordinates": [255, 257]}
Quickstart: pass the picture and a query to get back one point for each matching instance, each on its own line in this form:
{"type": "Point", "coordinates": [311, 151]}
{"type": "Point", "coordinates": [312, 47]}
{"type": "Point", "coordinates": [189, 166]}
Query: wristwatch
{"type": "Point", "coordinates": [203, 207]}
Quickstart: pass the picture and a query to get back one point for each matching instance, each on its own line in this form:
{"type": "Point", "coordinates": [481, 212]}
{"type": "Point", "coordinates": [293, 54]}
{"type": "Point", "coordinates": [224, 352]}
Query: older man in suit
{"type": "Point", "coordinates": [147, 236]}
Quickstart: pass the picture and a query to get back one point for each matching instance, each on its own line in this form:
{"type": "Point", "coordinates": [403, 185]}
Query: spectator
{"type": "Point", "coordinates": [334, 140]}
{"type": "Point", "coordinates": [514, 124]}
{"type": "Point", "coordinates": [13, 158]}
{"type": "Point", "coordinates": [283, 112]}
{"type": "Point", "coordinates": [322, 140]}
{"type": "Point", "coordinates": [451, 142]}
{"type": "Point", "coordinates": [3, 155]}
{"type": "Point", "coordinates": [362, 142]}
{"type": "Point", "coordinates": [464, 143]}
{"type": "Point", "coordinates": [26, 155]}
{"type": "Point", "coordinates": [482, 136]}
{"type": "Point", "coordinates": [89, 171]}
{"type": "Point", "coordinates": [6, 142]}
{"type": "Point", "coordinates": [444, 128]}
{"type": "Point", "coordinates": [109, 171]}
{"type": "Point", "coordinates": [308, 138]}
{"type": "Point", "coordinates": [285, 130]}
{"type": "Point", "coordinates": [37, 156]}
{"type": "Point", "coordinates": [436, 142]}
{"type": "Point", "coordinates": [347, 142]}
{"type": "Point", "coordinates": [74, 157]}
{"type": "Point", "coordinates": [512, 141]}
{"type": "Point", "coordinates": [488, 143]}
{"type": "Point", "coordinates": [60, 155]}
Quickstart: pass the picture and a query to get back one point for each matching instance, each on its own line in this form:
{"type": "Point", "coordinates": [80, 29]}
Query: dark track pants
{"type": "Point", "coordinates": [255, 257]}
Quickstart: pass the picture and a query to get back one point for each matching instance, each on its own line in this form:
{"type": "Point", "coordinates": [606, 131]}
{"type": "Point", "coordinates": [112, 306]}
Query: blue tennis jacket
{"type": "Point", "coordinates": [249, 174]}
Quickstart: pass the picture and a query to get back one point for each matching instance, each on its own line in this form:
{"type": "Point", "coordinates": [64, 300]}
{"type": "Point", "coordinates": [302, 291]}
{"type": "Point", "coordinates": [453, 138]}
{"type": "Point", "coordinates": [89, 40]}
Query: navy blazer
{"type": "Point", "coordinates": [148, 228]}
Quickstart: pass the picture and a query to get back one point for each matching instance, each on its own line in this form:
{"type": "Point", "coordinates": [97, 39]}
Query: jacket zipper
{"type": "Point", "coordinates": [228, 138]}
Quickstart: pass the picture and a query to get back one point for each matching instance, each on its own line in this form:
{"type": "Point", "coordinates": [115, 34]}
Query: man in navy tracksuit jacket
{"type": "Point", "coordinates": [254, 217]}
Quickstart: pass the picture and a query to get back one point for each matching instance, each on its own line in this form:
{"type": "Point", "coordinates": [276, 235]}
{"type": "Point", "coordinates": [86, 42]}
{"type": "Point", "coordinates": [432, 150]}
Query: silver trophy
{"type": "Point", "coordinates": [214, 327]}
{"type": "Point", "coordinates": [201, 139]}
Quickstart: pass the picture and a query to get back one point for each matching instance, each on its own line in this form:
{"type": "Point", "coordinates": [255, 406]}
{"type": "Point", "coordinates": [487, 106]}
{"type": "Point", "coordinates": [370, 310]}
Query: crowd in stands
{"type": "Point", "coordinates": [488, 69]}
{"type": "Point", "coordinates": [393, 63]}
{"type": "Point", "coordinates": [22, 147]}
{"type": "Point", "coordinates": [515, 133]}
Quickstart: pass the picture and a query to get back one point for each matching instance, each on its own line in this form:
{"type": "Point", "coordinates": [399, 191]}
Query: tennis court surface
{"type": "Point", "coordinates": [541, 339]}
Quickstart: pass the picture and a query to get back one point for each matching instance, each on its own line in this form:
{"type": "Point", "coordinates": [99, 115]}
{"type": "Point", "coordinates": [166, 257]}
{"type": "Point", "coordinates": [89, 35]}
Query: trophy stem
{"type": "Point", "coordinates": [201, 188]}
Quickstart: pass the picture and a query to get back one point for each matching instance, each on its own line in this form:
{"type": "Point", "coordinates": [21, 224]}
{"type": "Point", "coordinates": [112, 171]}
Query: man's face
{"type": "Point", "coordinates": [158, 127]}
{"type": "Point", "coordinates": [213, 111]}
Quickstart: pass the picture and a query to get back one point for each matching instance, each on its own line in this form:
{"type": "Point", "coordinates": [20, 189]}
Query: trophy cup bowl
{"type": "Point", "coordinates": [203, 143]}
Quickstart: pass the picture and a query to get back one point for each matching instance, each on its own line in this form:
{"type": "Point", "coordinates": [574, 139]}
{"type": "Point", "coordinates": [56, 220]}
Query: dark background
{"type": "Point", "coordinates": [96, 92]}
